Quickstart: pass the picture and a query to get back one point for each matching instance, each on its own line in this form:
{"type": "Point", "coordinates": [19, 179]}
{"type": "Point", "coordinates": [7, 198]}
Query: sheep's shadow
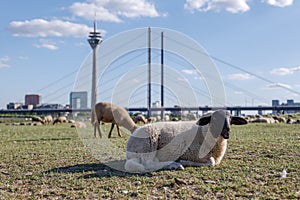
{"type": "Point", "coordinates": [97, 170]}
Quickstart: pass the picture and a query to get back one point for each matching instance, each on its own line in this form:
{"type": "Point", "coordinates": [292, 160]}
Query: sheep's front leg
{"type": "Point", "coordinates": [209, 162]}
{"type": "Point", "coordinates": [175, 165]}
{"type": "Point", "coordinates": [118, 129]}
{"type": "Point", "coordinates": [152, 163]}
{"type": "Point", "coordinates": [156, 165]}
{"type": "Point", "coordinates": [135, 165]}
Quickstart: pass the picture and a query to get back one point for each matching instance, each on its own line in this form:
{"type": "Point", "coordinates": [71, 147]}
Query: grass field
{"type": "Point", "coordinates": [51, 162]}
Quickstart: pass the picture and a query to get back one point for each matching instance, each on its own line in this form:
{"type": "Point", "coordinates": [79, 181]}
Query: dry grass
{"type": "Point", "coordinates": [50, 162]}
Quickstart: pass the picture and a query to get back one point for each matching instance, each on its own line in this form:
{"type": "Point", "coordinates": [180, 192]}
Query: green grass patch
{"type": "Point", "coordinates": [51, 162]}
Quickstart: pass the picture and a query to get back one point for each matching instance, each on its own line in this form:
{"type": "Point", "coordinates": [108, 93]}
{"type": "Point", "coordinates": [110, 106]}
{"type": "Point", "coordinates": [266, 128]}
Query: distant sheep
{"type": "Point", "coordinates": [151, 119]}
{"type": "Point", "coordinates": [110, 113]}
{"type": "Point", "coordinates": [78, 125]}
{"type": "Point", "coordinates": [263, 120]}
{"type": "Point", "coordinates": [293, 121]}
{"type": "Point", "coordinates": [48, 119]}
{"type": "Point", "coordinates": [166, 118]}
{"type": "Point", "coordinates": [172, 145]}
{"type": "Point", "coordinates": [60, 120]}
{"type": "Point", "coordinates": [37, 119]}
{"type": "Point", "coordinates": [280, 119]}
{"type": "Point", "coordinates": [175, 119]}
{"type": "Point", "coordinates": [139, 118]}
{"type": "Point", "coordinates": [71, 121]}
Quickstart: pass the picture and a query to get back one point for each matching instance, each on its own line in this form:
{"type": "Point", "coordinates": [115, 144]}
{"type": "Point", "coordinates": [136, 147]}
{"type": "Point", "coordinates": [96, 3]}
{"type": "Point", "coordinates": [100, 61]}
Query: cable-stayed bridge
{"type": "Point", "coordinates": [236, 110]}
{"type": "Point", "coordinates": [113, 77]}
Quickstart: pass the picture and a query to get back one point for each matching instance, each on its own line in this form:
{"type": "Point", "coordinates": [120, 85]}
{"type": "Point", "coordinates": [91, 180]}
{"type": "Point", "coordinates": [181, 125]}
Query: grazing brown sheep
{"type": "Point", "coordinates": [110, 113]}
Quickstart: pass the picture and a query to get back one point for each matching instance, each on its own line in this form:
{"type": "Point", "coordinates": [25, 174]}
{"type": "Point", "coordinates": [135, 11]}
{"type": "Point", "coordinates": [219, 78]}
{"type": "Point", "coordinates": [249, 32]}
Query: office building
{"type": "Point", "coordinates": [32, 99]}
{"type": "Point", "coordinates": [78, 100]}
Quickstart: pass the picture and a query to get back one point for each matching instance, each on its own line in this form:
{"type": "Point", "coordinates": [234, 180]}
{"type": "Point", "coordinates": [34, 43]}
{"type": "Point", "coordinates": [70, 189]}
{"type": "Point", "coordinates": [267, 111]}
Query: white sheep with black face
{"type": "Point", "coordinates": [172, 145]}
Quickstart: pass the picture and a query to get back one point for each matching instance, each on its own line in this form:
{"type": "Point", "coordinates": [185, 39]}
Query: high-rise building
{"type": "Point", "coordinates": [78, 100]}
{"type": "Point", "coordinates": [32, 99]}
{"type": "Point", "coordinates": [290, 102]}
{"type": "Point", "coordinates": [275, 102]}
{"type": "Point", "coordinates": [156, 104]}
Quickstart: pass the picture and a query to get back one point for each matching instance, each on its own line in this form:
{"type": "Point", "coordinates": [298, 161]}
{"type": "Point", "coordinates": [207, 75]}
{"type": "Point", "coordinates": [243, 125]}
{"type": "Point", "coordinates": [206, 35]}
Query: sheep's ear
{"type": "Point", "coordinates": [238, 121]}
{"type": "Point", "coordinates": [203, 121]}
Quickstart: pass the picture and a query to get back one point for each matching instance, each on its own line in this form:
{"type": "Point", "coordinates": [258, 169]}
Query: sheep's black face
{"type": "Point", "coordinates": [219, 122]}
{"type": "Point", "coordinates": [226, 128]}
{"type": "Point", "coordinates": [231, 120]}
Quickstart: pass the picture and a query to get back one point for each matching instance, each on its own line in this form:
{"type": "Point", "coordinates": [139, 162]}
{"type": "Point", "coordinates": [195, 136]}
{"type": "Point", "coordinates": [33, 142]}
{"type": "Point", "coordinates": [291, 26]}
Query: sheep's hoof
{"type": "Point", "coordinates": [176, 166]}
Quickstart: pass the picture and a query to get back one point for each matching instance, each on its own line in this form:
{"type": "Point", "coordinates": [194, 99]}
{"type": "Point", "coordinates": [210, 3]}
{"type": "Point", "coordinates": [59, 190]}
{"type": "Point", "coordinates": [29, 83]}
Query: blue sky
{"type": "Point", "coordinates": [44, 43]}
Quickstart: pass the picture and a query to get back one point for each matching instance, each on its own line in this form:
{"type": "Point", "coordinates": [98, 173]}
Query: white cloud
{"type": "Point", "coordinates": [189, 71]}
{"type": "Point", "coordinates": [44, 28]}
{"type": "Point", "coordinates": [282, 71]}
{"type": "Point", "coordinates": [239, 76]}
{"type": "Point", "coordinates": [3, 61]}
{"type": "Point", "coordinates": [296, 69]}
{"type": "Point", "coordinates": [279, 3]}
{"type": "Point", "coordinates": [285, 71]}
{"type": "Point", "coordinates": [113, 10]}
{"type": "Point", "coordinates": [279, 85]}
{"type": "Point", "coordinates": [2, 65]}
{"type": "Point", "coordinates": [47, 44]}
{"type": "Point", "coordinates": [233, 6]}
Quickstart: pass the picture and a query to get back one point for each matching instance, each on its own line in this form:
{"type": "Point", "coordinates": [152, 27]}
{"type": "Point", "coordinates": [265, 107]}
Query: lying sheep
{"type": "Point", "coordinates": [78, 125]}
{"type": "Point", "coordinates": [175, 119]}
{"type": "Point", "coordinates": [293, 121]}
{"type": "Point", "coordinates": [71, 121]}
{"type": "Point", "coordinates": [60, 120]}
{"type": "Point", "coordinates": [109, 113]}
{"type": "Point", "coordinates": [263, 120]}
{"type": "Point", "coordinates": [280, 119]}
{"type": "Point", "coordinates": [172, 145]}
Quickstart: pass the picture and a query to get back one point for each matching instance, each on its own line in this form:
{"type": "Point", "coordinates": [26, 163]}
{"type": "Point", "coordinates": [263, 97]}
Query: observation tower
{"type": "Point", "coordinates": [94, 40]}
